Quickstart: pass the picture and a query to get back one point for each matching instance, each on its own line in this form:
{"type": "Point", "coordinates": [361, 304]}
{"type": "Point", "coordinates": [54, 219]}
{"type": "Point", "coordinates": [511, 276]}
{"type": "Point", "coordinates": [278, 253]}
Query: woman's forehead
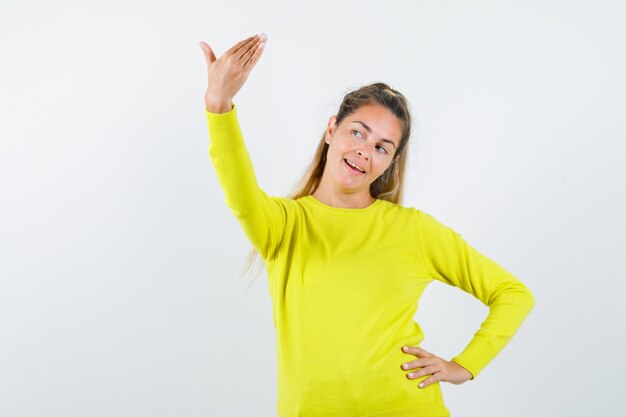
{"type": "Point", "coordinates": [378, 120]}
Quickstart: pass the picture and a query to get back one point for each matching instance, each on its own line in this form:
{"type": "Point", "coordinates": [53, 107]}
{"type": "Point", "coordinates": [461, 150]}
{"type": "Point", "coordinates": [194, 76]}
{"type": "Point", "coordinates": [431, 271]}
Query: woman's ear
{"type": "Point", "coordinates": [330, 130]}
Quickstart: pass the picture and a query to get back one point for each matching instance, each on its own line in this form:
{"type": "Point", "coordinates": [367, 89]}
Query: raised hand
{"type": "Point", "coordinates": [431, 364]}
{"type": "Point", "coordinates": [227, 74]}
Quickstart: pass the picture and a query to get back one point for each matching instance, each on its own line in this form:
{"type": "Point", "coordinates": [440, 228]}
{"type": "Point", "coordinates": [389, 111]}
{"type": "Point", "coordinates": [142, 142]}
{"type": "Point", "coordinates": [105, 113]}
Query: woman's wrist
{"type": "Point", "coordinates": [217, 104]}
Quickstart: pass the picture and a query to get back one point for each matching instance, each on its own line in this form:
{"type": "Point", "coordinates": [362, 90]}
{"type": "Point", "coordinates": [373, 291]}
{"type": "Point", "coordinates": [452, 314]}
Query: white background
{"type": "Point", "coordinates": [119, 261]}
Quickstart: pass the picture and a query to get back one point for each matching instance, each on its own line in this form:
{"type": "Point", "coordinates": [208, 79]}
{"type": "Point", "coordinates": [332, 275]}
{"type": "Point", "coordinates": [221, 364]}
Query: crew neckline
{"type": "Point", "coordinates": [310, 198]}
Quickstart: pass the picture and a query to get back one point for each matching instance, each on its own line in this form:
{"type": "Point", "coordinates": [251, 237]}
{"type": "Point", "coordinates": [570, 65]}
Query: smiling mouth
{"type": "Point", "coordinates": [353, 167]}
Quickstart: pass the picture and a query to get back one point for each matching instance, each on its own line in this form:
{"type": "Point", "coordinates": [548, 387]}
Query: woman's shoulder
{"type": "Point", "coordinates": [400, 208]}
{"type": "Point", "coordinates": [416, 214]}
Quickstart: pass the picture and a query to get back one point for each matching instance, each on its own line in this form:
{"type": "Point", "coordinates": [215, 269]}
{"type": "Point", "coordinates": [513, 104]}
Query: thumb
{"type": "Point", "coordinates": [208, 52]}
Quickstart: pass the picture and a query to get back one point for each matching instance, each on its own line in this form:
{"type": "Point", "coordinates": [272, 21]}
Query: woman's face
{"type": "Point", "coordinates": [367, 138]}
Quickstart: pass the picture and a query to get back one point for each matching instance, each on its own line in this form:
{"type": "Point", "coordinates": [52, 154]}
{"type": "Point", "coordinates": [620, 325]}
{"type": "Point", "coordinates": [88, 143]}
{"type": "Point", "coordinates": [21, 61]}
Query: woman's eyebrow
{"type": "Point", "coordinates": [369, 130]}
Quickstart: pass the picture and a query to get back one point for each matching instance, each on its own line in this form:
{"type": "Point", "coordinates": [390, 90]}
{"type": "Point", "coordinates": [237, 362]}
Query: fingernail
{"type": "Point", "coordinates": [421, 385]}
{"type": "Point", "coordinates": [405, 348]}
{"type": "Point", "coordinates": [263, 36]}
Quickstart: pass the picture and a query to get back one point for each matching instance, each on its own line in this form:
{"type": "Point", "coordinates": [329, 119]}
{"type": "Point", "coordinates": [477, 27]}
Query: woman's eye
{"type": "Point", "coordinates": [356, 131]}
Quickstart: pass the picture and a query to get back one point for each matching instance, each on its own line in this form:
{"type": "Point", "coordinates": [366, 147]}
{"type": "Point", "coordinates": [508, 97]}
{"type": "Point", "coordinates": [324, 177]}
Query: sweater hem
{"type": "Point", "coordinates": [410, 412]}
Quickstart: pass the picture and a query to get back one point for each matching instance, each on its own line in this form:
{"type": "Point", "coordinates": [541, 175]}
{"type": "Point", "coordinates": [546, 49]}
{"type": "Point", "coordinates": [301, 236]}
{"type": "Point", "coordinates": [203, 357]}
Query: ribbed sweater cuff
{"type": "Point", "coordinates": [475, 357]}
{"type": "Point", "coordinates": [224, 130]}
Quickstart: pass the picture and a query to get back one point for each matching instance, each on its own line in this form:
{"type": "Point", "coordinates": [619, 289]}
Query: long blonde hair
{"type": "Point", "coordinates": [388, 186]}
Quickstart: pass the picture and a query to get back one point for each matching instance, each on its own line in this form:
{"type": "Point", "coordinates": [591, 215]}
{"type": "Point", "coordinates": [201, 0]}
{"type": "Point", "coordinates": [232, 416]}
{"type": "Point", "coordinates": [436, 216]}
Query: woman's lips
{"type": "Point", "coordinates": [356, 171]}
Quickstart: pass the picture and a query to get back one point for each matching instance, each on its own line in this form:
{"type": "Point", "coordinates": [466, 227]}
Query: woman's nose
{"type": "Point", "coordinates": [363, 152]}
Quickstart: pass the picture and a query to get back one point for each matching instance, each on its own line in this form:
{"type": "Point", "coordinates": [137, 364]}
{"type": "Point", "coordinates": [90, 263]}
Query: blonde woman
{"type": "Point", "coordinates": [347, 263]}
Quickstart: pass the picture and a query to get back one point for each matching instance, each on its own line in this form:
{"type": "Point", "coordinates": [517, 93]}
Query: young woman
{"type": "Point", "coordinates": [347, 263]}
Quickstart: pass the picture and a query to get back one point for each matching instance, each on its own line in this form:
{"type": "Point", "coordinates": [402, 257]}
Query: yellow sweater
{"type": "Point", "coordinates": [345, 285]}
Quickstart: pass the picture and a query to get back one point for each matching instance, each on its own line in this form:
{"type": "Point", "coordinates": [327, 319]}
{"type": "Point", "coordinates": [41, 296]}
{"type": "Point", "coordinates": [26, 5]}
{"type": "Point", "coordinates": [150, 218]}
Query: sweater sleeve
{"type": "Point", "coordinates": [452, 260]}
{"type": "Point", "coordinates": [261, 217]}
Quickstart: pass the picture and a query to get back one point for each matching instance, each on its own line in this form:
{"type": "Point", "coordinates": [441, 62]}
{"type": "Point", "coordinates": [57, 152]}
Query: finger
{"type": "Point", "coordinates": [243, 59]}
{"type": "Point", "coordinates": [430, 380]}
{"type": "Point", "coordinates": [418, 363]}
{"type": "Point", "coordinates": [239, 45]}
{"type": "Point", "coordinates": [248, 49]}
{"type": "Point", "coordinates": [426, 371]}
{"type": "Point", "coordinates": [208, 52]}
{"type": "Point", "coordinates": [416, 350]}
{"type": "Point", "coordinates": [251, 62]}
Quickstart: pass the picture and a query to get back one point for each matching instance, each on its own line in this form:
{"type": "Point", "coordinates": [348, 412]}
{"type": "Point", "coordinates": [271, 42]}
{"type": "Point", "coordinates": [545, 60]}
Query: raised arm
{"type": "Point", "coordinates": [453, 261]}
{"type": "Point", "coordinates": [261, 217]}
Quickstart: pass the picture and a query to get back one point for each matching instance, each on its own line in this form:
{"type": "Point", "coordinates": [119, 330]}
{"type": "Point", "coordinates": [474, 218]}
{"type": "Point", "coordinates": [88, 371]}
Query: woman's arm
{"type": "Point", "coordinates": [261, 217]}
{"type": "Point", "coordinates": [453, 261]}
